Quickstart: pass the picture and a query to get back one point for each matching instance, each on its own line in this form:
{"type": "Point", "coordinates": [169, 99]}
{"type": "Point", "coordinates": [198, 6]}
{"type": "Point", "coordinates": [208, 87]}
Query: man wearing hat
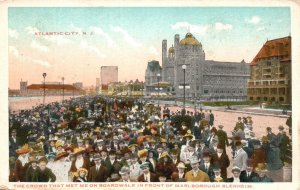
{"type": "Point", "coordinates": [222, 160]}
{"type": "Point", "coordinates": [113, 166]}
{"type": "Point", "coordinates": [180, 173]}
{"type": "Point", "coordinates": [240, 157]}
{"type": "Point", "coordinates": [135, 170]}
{"type": "Point", "coordinates": [236, 171]}
{"type": "Point", "coordinates": [147, 176]}
{"type": "Point", "coordinates": [239, 124]}
{"type": "Point", "coordinates": [222, 137]}
{"type": "Point", "coordinates": [175, 157]}
{"type": "Point", "coordinates": [97, 173]}
{"type": "Point", "coordinates": [31, 173]}
{"type": "Point", "coordinates": [13, 143]}
{"type": "Point", "coordinates": [203, 148]}
{"type": "Point", "coordinates": [44, 174]}
{"type": "Point", "coordinates": [196, 175]}
{"type": "Point", "coordinates": [283, 146]}
{"type": "Point", "coordinates": [261, 169]}
{"type": "Point", "coordinates": [248, 174]}
{"type": "Point", "coordinates": [125, 175]}
{"type": "Point", "coordinates": [207, 166]}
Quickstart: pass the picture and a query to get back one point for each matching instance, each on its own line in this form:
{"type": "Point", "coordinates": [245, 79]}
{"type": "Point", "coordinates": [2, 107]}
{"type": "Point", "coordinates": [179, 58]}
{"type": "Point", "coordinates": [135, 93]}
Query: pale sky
{"type": "Point", "coordinates": [129, 38]}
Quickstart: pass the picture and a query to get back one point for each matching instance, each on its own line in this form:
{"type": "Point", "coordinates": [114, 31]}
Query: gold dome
{"type": "Point", "coordinates": [189, 40]}
{"type": "Point", "coordinates": [171, 49]}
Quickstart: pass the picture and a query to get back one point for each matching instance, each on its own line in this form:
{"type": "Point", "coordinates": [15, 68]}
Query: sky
{"type": "Point", "coordinates": [129, 38]}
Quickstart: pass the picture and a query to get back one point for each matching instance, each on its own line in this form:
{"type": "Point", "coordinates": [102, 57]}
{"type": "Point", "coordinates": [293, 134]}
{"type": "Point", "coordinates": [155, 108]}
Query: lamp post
{"type": "Point", "coordinates": [158, 75]}
{"type": "Point", "coordinates": [44, 75]}
{"type": "Point", "coordinates": [184, 68]}
{"type": "Point", "coordinates": [63, 79]}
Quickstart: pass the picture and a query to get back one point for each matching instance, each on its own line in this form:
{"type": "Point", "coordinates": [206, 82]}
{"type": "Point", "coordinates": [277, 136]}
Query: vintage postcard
{"type": "Point", "coordinates": [152, 95]}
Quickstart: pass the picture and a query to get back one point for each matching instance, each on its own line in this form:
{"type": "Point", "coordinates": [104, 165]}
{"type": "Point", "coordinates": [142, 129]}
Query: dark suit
{"type": "Point", "coordinates": [46, 175]}
{"type": "Point", "coordinates": [223, 139]}
{"type": "Point", "coordinates": [100, 176]}
{"type": "Point", "coordinates": [223, 162]}
{"type": "Point", "coordinates": [113, 168]}
{"type": "Point", "coordinates": [13, 146]}
{"type": "Point", "coordinates": [153, 178]}
{"type": "Point", "coordinates": [31, 174]}
{"type": "Point", "coordinates": [246, 178]}
{"type": "Point", "coordinates": [209, 171]}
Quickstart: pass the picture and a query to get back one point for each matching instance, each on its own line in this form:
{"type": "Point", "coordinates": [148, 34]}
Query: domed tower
{"type": "Point", "coordinates": [191, 54]}
{"type": "Point", "coordinates": [171, 51]}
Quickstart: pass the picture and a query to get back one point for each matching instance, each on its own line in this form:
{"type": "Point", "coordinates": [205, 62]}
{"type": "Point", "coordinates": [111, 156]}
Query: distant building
{"type": "Point", "coordinates": [204, 79]}
{"type": "Point", "coordinates": [151, 76]}
{"type": "Point", "coordinates": [23, 87]}
{"type": "Point", "coordinates": [97, 85]}
{"type": "Point", "coordinates": [52, 90]}
{"type": "Point", "coordinates": [78, 85]}
{"type": "Point", "coordinates": [109, 74]}
{"type": "Point", "coordinates": [271, 72]}
{"type": "Point", "coordinates": [126, 88]}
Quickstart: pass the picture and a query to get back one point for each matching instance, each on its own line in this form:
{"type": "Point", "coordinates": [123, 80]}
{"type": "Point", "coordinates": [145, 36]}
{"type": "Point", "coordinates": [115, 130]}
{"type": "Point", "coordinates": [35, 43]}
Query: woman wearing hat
{"type": "Point", "coordinates": [79, 161]}
{"type": "Point", "coordinates": [262, 170]}
{"type": "Point", "coordinates": [165, 165]}
{"type": "Point", "coordinates": [81, 175]}
{"type": "Point", "coordinates": [22, 162]}
{"type": "Point", "coordinates": [61, 166]}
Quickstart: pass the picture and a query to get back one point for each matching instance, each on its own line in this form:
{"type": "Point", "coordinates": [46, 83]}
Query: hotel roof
{"type": "Point", "coordinates": [279, 48]}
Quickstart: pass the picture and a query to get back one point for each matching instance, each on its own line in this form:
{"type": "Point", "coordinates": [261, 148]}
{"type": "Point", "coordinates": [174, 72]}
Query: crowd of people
{"type": "Point", "coordinates": [104, 139]}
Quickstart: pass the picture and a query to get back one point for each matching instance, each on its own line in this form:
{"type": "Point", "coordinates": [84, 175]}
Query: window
{"type": "Point", "coordinates": [205, 91]}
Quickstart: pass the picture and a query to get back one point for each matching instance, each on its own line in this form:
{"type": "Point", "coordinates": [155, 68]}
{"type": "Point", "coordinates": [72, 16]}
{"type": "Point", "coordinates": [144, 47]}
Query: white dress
{"type": "Point", "coordinates": [61, 170]}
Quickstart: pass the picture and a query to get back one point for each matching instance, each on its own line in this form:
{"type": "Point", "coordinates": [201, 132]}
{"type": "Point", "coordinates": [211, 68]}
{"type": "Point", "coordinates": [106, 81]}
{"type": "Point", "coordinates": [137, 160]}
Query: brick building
{"type": "Point", "coordinates": [270, 79]}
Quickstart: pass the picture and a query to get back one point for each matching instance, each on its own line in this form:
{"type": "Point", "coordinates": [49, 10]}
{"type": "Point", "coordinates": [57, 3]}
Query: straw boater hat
{"type": "Point", "coordinates": [61, 155]}
{"type": "Point", "coordinates": [194, 161]}
{"type": "Point", "coordinates": [181, 165]}
{"type": "Point", "coordinates": [23, 150]}
{"type": "Point", "coordinates": [78, 151]}
{"type": "Point", "coordinates": [188, 134]}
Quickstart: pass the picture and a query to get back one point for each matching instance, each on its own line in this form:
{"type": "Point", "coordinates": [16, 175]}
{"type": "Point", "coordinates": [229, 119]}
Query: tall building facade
{"type": "Point", "coordinates": [205, 79]}
{"type": "Point", "coordinates": [153, 69]}
{"type": "Point", "coordinates": [108, 74]}
{"type": "Point", "coordinates": [23, 87]}
{"type": "Point", "coordinates": [153, 75]}
{"type": "Point", "coordinates": [271, 72]}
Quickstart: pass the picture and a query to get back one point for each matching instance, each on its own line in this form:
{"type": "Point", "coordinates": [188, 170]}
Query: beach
{"type": "Point", "coordinates": [23, 103]}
